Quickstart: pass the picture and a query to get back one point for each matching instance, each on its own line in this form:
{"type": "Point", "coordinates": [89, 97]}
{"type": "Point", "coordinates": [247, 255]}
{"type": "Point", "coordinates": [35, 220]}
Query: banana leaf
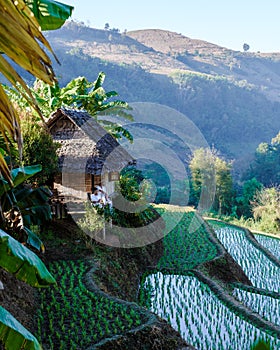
{"type": "Point", "coordinates": [23, 263]}
{"type": "Point", "coordinates": [50, 14]}
{"type": "Point", "coordinates": [34, 240]}
{"type": "Point", "coordinates": [34, 204]}
{"type": "Point", "coordinates": [18, 176]}
{"type": "Point", "coordinates": [14, 335]}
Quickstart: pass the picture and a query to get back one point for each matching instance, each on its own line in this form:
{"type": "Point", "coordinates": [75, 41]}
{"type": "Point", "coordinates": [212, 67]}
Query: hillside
{"type": "Point", "coordinates": [261, 70]}
{"type": "Point", "coordinates": [232, 96]}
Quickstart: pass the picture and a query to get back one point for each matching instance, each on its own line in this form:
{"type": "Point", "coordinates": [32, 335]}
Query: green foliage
{"type": "Point", "coordinates": [212, 175]}
{"type": "Point", "coordinates": [90, 96]}
{"type": "Point", "coordinates": [261, 345]}
{"type": "Point", "coordinates": [50, 14]}
{"type": "Point", "coordinates": [202, 166]}
{"type": "Point", "coordinates": [24, 264]}
{"type": "Point", "coordinates": [135, 189]}
{"type": "Point", "coordinates": [266, 164]}
{"type": "Point", "coordinates": [130, 179]}
{"type": "Point", "coordinates": [72, 317]}
{"type": "Point", "coordinates": [33, 203]}
{"type": "Point", "coordinates": [187, 245]}
{"type": "Point", "coordinates": [266, 209]}
{"type": "Point", "coordinates": [134, 219]}
{"type": "Point", "coordinates": [18, 176]}
{"type": "Point", "coordinates": [14, 335]}
{"type": "Point", "coordinates": [157, 174]}
{"type": "Point", "coordinates": [23, 206]}
{"type": "Point", "coordinates": [93, 220]}
{"type": "Point", "coordinates": [224, 186]}
{"type": "Point", "coordinates": [39, 148]}
{"type": "Point", "coordinates": [244, 202]}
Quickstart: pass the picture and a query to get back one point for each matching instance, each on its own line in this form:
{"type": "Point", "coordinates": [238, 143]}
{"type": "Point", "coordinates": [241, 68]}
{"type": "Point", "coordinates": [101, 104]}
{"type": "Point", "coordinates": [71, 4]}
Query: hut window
{"type": "Point", "coordinates": [114, 176]}
{"type": "Point", "coordinates": [91, 181]}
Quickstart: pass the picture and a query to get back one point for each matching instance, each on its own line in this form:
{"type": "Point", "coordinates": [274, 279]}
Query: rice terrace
{"type": "Point", "coordinates": [208, 316]}
{"type": "Point", "coordinates": [193, 286]}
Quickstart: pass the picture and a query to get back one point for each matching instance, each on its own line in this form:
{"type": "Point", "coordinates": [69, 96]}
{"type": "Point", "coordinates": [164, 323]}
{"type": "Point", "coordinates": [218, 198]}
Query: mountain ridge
{"type": "Point", "coordinates": [216, 60]}
{"type": "Point", "coordinates": [232, 96]}
{"type": "Point", "coordinates": [162, 52]}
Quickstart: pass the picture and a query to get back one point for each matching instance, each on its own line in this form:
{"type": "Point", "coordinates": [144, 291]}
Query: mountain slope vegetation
{"type": "Point", "coordinates": [231, 96]}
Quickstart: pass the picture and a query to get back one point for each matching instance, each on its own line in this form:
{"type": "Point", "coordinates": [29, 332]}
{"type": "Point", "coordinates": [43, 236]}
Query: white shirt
{"type": "Point", "coordinates": [95, 198]}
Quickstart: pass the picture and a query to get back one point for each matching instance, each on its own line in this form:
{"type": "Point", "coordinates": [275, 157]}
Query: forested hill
{"type": "Point", "coordinates": [232, 96]}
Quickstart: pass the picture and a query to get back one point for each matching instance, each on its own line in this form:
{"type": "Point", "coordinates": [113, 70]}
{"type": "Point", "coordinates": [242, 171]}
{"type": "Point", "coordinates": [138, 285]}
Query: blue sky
{"type": "Point", "coordinates": [228, 23]}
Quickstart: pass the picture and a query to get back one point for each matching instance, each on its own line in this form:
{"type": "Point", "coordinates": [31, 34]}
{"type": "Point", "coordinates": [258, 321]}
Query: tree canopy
{"type": "Point", "coordinates": [213, 175]}
{"type": "Point", "coordinates": [265, 166]}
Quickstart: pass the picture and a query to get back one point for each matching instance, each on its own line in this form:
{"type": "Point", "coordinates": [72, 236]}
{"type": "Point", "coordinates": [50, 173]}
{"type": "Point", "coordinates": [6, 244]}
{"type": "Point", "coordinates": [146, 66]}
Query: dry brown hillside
{"type": "Point", "coordinates": [171, 42]}
{"type": "Point", "coordinates": [262, 70]}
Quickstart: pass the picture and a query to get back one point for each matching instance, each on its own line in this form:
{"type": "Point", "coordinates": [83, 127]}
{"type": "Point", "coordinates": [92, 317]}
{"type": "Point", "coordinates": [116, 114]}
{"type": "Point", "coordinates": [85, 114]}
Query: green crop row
{"type": "Point", "coordinates": [267, 306]}
{"type": "Point", "coordinates": [262, 270]}
{"type": "Point", "coordinates": [202, 319]}
{"type": "Point", "coordinates": [188, 243]}
{"type": "Point", "coordinates": [270, 243]}
{"type": "Point", "coordinates": [72, 317]}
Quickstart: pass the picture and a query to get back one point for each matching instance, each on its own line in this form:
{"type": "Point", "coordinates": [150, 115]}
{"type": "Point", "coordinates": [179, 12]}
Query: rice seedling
{"type": "Point", "coordinates": [267, 306]}
{"type": "Point", "coordinates": [184, 249]}
{"type": "Point", "coordinates": [270, 243]}
{"type": "Point", "coordinates": [262, 272]}
{"type": "Point", "coordinates": [72, 317]}
{"type": "Point", "coordinates": [205, 322]}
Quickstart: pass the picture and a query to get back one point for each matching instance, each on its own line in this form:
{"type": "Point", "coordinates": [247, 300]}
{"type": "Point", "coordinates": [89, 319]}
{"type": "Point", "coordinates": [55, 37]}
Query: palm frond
{"type": "Point", "coordinates": [20, 40]}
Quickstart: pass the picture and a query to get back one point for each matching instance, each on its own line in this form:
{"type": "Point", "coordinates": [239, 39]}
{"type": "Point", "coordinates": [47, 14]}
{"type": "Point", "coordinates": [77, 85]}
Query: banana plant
{"type": "Point", "coordinates": [79, 93]}
{"type": "Point", "coordinates": [14, 335]}
{"type": "Point", "coordinates": [22, 41]}
{"type": "Point", "coordinates": [23, 206]}
{"type": "Point", "coordinates": [50, 14]}
{"type": "Point", "coordinates": [23, 263]}
{"type": "Point", "coordinates": [26, 266]}
{"type": "Point", "coordinates": [19, 204]}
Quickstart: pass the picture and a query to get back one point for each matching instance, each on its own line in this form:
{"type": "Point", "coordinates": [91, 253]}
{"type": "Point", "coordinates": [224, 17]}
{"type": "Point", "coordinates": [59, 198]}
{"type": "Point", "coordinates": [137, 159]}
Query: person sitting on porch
{"type": "Point", "coordinates": [96, 198]}
{"type": "Point", "coordinates": [104, 196]}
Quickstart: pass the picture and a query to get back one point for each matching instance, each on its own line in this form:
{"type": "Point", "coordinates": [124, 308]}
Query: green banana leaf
{"type": "Point", "coordinates": [33, 204]}
{"type": "Point", "coordinates": [14, 335]}
{"type": "Point", "coordinates": [23, 263]}
{"type": "Point", "coordinates": [18, 176]}
{"type": "Point", "coordinates": [50, 14]}
{"type": "Point", "coordinates": [34, 240]}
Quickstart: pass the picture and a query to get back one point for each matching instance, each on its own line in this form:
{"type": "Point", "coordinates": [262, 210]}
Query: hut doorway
{"type": "Point", "coordinates": [92, 181]}
{"type": "Point", "coordinates": [95, 180]}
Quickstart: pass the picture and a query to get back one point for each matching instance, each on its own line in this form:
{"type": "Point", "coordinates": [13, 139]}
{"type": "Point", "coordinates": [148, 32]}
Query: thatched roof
{"type": "Point", "coordinates": [85, 145]}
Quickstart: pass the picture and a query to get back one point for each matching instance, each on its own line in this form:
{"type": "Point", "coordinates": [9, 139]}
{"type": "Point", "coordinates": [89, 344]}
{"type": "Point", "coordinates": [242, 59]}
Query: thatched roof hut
{"type": "Point", "coordinates": [88, 154]}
